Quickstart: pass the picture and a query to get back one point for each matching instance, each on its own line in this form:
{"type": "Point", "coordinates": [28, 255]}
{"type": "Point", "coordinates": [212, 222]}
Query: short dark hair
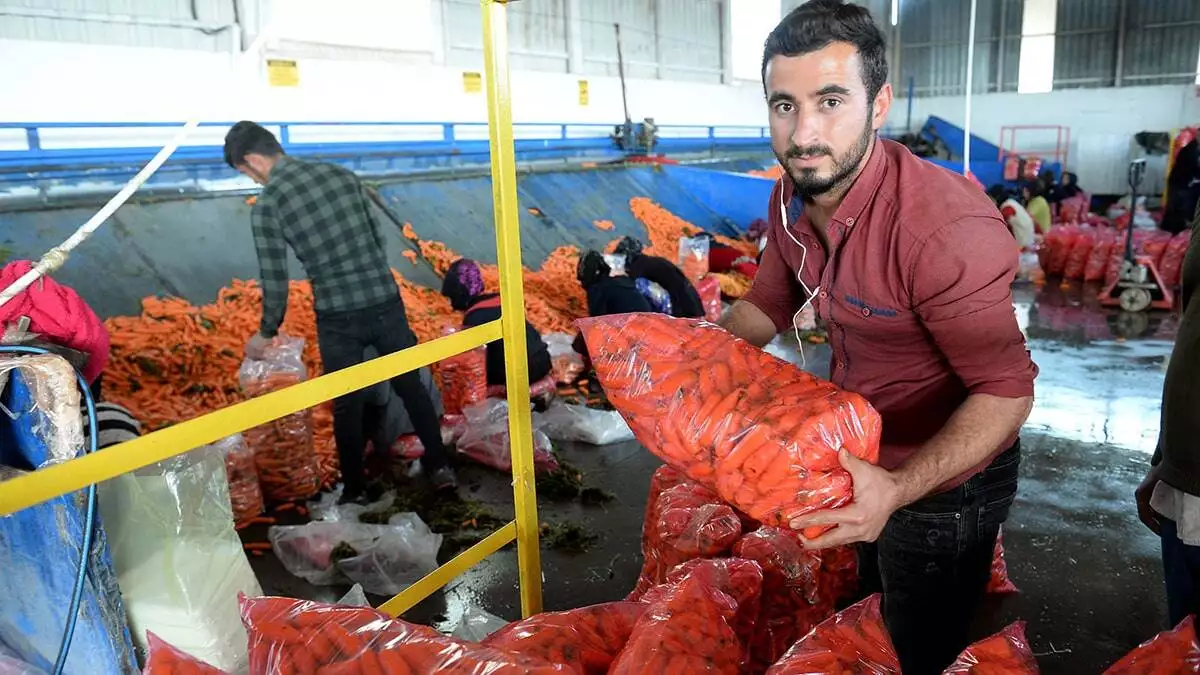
{"type": "Point", "coordinates": [249, 138]}
{"type": "Point", "coordinates": [819, 23]}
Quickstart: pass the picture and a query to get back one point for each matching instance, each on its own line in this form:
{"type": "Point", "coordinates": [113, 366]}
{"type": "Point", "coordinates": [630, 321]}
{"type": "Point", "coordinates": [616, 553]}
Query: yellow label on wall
{"type": "Point", "coordinates": [583, 92]}
{"type": "Point", "coordinates": [472, 82]}
{"type": "Point", "coordinates": [282, 73]}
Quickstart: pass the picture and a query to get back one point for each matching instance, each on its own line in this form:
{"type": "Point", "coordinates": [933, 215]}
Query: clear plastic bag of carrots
{"type": "Point", "coordinates": [283, 449]}
{"type": "Point", "coordinates": [851, 641]}
{"type": "Point", "coordinates": [692, 622]}
{"type": "Point", "coordinates": [1005, 653]}
{"type": "Point", "coordinates": [688, 521]}
{"type": "Point", "coordinates": [791, 604]}
{"type": "Point", "coordinates": [462, 379]}
{"type": "Point", "coordinates": [485, 439]}
{"type": "Point", "coordinates": [1171, 652]}
{"type": "Point", "coordinates": [693, 257]}
{"type": "Point", "coordinates": [761, 432]}
{"type": "Point", "coordinates": [289, 637]}
{"type": "Point", "coordinates": [566, 363]}
{"type": "Point", "coordinates": [163, 659]}
{"type": "Point", "coordinates": [245, 495]}
{"type": "Point", "coordinates": [587, 639]}
{"type": "Point", "coordinates": [709, 289]}
{"type": "Point", "coordinates": [998, 582]}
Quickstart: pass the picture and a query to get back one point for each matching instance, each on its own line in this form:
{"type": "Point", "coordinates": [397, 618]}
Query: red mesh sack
{"type": "Point", "coordinates": [1097, 260]}
{"type": "Point", "coordinates": [791, 604]}
{"type": "Point", "coordinates": [691, 623]}
{"type": "Point", "coordinates": [163, 659]}
{"type": "Point", "coordinates": [1171, 652]}
{"type": "Point", "coordinates": [1156, 246]}
{"type": "Point", "coordinates": [851, 641]}
{"type": "Point", "coordinates": [1058, 244]}
{"type": "Point", "coordinates": [1077, 256]}
{"type": "Point", "coordinates": [998, 582]}
{"type": "Point", "coordinates": [586, 640]}
{"type": "Point", "coordinates": [761, 432]}
{"type": "Point", "coordinates": [1170, 268]}
{"type": "Point", "coordinates": [709, 289]}
{"type": "Point", "coordinates": [462, 380]}
{"type": "Point", "coordinates": [687, 521]}
{"type": "Point", "coordinates": [289, 636]}
{"type": "Point", "coordinates": [1005, 653]}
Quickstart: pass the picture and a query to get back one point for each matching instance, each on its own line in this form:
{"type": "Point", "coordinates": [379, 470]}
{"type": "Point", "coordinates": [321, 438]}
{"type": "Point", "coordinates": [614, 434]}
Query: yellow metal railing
{"type": "Point", "coordinates": [39, 486]}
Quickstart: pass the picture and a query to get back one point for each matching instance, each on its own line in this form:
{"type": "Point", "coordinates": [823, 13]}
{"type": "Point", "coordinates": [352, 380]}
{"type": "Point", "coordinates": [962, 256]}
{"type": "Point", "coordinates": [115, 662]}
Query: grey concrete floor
{"type": "Point", "coordinates": [1088, 571]}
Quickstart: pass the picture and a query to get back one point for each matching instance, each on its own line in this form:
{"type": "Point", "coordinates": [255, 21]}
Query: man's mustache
{"type": "Point", "coordinates": [797, 152]}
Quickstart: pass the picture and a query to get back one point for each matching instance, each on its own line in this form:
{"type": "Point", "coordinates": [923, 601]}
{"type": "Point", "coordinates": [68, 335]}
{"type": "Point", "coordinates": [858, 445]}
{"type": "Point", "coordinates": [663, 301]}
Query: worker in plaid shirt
{"type": "Point", "coordinates": [321, 211]}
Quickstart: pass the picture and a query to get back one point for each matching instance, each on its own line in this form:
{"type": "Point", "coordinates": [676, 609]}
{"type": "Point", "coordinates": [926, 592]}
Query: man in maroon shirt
{"type": "Point", "coordinates": [909, 267]}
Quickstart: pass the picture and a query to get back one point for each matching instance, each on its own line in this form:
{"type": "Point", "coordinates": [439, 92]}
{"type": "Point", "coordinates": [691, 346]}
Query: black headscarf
{"type": "Point", "coordinates": [591, 269]}
{"type": "Point", "coordinates": [630, 248]}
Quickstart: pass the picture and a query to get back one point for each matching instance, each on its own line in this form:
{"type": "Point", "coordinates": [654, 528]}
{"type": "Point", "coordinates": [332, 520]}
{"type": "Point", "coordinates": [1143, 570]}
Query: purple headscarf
{"type": "Point", "coordinates": [463, 282]}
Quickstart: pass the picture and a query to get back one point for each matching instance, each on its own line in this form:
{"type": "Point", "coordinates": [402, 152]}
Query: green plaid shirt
{"type": "Point", "coordinates": [321, 211]}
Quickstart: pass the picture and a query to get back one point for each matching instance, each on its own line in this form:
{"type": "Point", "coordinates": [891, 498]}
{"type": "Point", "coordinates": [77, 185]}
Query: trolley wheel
{"type": "Point", "coordinates": [1135, 299]}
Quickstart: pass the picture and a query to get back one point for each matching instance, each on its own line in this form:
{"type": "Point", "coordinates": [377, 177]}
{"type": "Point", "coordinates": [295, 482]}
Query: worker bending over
{"type": "Point", "coordinates": [606, 294]}
{"type": "Point", "coordinates": [909, 267]}
{"type": "Point", "coordinates": [321, 211]}
{"type": "Point", "coordinates": [685, 301]}
{"type": "Point", "coordinates": [463, 286]}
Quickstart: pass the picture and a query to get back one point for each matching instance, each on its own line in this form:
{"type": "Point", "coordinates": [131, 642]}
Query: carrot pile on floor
{"type": "Point", "coordinates": [176, 360]}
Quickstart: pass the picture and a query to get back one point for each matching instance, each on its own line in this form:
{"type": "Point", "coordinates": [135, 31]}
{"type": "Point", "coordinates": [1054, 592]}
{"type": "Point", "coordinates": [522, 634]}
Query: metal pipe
{"type": "Point", "coordinates": [970, 82]}
{"type": "Point", "coordinates": [127, 19]}
{"type": "Point", "coordinates": [1122, 30]}
{"type": "Point", "coordinates": [621, 73]}
{"type": "Point", "coordinates": [908, 122]}
{"type": "Point", "coordinates": [1001, 46]}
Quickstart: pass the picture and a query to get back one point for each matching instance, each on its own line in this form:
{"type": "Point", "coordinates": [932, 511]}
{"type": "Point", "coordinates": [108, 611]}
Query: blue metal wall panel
{"type": "Point", "coordinates": [740, 198]}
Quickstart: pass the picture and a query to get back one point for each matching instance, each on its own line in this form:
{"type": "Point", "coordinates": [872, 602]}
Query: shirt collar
{"type": "Point", "coordinates": [855, 202]}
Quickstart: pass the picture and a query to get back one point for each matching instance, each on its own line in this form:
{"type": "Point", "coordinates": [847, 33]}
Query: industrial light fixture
{"type": "Point", "coordinates": [895, 12]}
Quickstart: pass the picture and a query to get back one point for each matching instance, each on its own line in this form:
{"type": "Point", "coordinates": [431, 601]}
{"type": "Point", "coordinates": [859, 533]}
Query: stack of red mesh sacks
{"type": "Point", "coordinates": [1149, 243]}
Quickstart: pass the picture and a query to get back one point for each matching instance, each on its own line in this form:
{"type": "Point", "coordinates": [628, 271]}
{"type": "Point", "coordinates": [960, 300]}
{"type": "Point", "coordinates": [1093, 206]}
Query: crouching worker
{"type": "Point", "coordinates": [463, 286]}
{"type": "Point", "coordinates": [685, 301]}
{"type": "Point", "coordinates": [606, 294]}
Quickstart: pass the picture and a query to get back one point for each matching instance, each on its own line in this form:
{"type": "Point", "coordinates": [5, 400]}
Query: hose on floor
{"type": "Point", "coordinates": [89, 528]}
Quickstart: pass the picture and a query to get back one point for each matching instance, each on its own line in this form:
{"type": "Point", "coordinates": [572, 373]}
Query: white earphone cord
{"type": "Point", "coordinates": [783, 217]}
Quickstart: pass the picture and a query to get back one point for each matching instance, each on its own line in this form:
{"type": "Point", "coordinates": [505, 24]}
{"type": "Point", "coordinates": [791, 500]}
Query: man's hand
{"type": "Point", "coordinates": [1142, 494]}
{"type": "Point", "coordinates": [877, 494]}
{"type": "Point", "coordinates": [256, 348]}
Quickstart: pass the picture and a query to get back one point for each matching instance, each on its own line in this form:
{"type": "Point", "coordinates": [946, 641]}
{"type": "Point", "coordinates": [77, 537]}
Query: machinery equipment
{"type": "Point", "coordinates": [1139, 286]}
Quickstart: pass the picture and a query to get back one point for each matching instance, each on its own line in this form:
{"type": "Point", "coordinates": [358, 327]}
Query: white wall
{"type": "Point", "coordinates": [59, 81]}
{"type": "Point", "coordinates": [1102, 123]}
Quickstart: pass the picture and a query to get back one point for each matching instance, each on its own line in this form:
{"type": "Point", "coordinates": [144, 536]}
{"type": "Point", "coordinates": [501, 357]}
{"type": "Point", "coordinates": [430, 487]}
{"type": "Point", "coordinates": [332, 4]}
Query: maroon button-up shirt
{"type": "Point", "coordinates": [915, 291]}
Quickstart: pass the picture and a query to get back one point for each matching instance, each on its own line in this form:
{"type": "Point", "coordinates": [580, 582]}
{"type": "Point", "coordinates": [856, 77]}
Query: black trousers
{"type": "Point", "coordinates": [932, 563]}
{"type": "Point", "coordinates": [343, 337]}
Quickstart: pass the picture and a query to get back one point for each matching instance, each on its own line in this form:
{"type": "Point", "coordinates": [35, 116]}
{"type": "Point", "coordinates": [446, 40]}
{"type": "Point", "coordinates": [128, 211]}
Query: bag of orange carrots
{"type": "Point", "coordinates": [297, 636]}
{"type": "Point", "coordinates": [998, 582]}
{"type": "Point", "coordinates": [283, 448]}
{"type": "Point", "coordinates": [691, 623]}
{"type": "Point", "coordinates": [693, 257]}
{"type": "Point", "coordinates": [1171, 652]}
{"type": "Point", "coordinates": [245, 495]}
{"type": "Point", "coordinates": [163, 659]}
{"type": "Point", "coordinates": [760, 431]}
{"type": "Point", "coordinates": [462, 379]}
{"type": "Point", "coordinates": [838, 579]}
{"type": "Point", "coordinates": [486, 439]}
{"type": "Point", "coordinates": [853, 640]}
{"type": "Point", "coordinates": [1005, 653]}
{"type": "Point", "coordinates": [688, 521]}
{"type": "Point", "coordinates": [791, 604]}
{"type": "Point", "coordinates": [709, 289]}
{"type": "Point", "coordinates": [586, 639]}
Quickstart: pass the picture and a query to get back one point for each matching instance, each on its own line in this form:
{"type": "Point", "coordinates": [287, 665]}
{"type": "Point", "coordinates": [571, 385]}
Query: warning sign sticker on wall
{"type": "Point", "coordinates": [472, 82]}
{"type": "Point", "coordinates": [282, 73]}
{"type": "Point", "coordinates": [583, 92]}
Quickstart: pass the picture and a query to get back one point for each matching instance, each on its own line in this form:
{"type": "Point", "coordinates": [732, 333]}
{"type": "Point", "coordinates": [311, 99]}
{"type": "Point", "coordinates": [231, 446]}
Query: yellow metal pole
{"type": "Point", "coordinates": [512, 298]}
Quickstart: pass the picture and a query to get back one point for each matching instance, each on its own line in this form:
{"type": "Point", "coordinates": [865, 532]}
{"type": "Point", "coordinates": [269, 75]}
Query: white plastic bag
{"type": "Point", "coordinates": [570, 422]}
{"type": "Point", "coordinates": [486, 438]}
{"type": "Point", "coordinates": [388, 557]}
{"type": "Point", "coordinates": [179, 563]}
{"type": "Point", "coordinates": [355, 597]}
{"type": "Point", "coordinates": [477, 623]}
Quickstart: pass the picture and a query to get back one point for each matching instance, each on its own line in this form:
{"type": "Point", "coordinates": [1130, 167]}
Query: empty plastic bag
{"type": "Point", "coordinates": [571, 422]}
{"type": "Point", "coordinates": [486, 438]}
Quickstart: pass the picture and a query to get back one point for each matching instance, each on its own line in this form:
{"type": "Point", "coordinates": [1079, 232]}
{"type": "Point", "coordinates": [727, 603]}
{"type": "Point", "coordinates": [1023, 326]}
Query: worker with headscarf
{"type": "Point", "coordinates": [685, 301]}
{"type": "Point", "coordinates": [606, 294]}
{"type": "Point", "coordinates": [463, 286]}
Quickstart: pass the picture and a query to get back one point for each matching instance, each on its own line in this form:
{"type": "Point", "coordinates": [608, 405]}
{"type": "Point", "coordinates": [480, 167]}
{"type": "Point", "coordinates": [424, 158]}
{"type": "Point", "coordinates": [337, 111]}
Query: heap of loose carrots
{"type": "Point", "coordinates": [774, 173]}
{"type": "Point", "coordinates": [761, 432]}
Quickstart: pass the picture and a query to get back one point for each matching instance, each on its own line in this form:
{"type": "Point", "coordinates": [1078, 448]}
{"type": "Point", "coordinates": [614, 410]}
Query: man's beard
{"type": "Point", "coordinates": [806, 181]}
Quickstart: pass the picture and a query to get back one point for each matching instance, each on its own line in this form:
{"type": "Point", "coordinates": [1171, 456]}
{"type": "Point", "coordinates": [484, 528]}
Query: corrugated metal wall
{"type": "Point", "coordinates": [1163, 42]}
{"type": "Point", "coordinates": [537, 34]}
{"type": "Point", "coordinates": [208, 17]}
{"type": "Point", "coordinates": [933, 46]}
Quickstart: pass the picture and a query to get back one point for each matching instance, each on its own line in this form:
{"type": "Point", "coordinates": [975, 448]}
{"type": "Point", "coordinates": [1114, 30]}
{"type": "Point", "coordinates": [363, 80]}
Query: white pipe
{"type": "Point", "coordinates": [97, 17]}
{"type": "Point", "coordinates": [970, 83]}
{"type": "Point", "coordinates": [57, 256]}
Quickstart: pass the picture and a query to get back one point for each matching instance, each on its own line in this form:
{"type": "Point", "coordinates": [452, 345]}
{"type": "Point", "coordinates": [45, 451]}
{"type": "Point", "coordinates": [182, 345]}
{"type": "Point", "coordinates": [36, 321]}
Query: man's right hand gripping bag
{"type": "Point", "coordinates": [760, 431]}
